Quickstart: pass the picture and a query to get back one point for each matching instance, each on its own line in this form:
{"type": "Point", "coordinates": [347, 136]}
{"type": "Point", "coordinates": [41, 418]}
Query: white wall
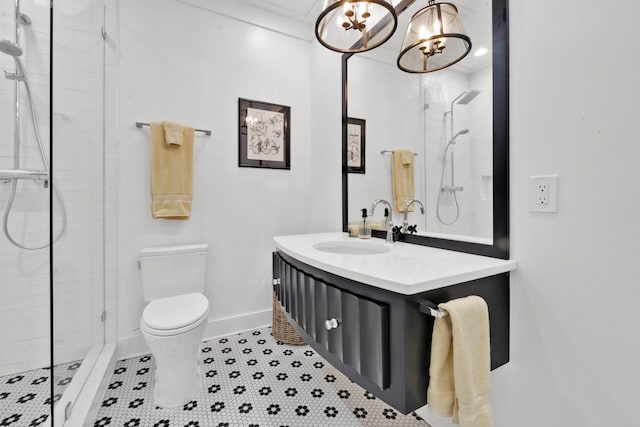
{"type": "Point", "coordinates": [191, 64]}
{"type": "Point", "coordinates": [575, 346]}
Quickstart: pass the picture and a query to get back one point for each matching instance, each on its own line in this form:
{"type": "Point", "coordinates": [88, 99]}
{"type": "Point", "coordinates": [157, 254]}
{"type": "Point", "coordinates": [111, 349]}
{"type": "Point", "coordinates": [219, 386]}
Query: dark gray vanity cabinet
{"type": "Point", "coordinates": [360, 335]}
{"type": "Point", "coordinates": [377, 338]}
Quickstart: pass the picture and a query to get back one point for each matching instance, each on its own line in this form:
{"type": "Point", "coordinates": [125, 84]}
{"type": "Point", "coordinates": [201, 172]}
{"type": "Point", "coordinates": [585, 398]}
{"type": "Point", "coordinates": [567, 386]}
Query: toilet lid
{"type": "Point", "coordinates": [175, 312]}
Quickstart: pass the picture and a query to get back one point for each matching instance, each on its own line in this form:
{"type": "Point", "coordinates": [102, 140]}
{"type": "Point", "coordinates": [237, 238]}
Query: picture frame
{"type": "Point", "coordinates": [264, 134]}
{"type": "Point", "coordinates": [356, 145]}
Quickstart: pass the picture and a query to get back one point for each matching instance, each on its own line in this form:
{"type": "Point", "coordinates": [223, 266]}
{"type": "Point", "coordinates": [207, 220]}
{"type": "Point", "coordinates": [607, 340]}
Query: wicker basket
{"type": "Point", "coordinates": [282, 329]}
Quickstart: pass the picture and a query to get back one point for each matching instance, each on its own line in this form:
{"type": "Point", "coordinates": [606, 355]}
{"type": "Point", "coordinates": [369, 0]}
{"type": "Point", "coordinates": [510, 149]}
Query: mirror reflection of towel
{"type": "Point", "coordinates": [403, 181]}
{"type": "Point", "coordinates": [171, 174]}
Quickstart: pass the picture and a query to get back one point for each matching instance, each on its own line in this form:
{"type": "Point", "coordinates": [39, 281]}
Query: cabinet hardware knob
{"type": "Point", "coordinates": [331, 324]}
{"type": "Point", "coordinates": [276, 282]}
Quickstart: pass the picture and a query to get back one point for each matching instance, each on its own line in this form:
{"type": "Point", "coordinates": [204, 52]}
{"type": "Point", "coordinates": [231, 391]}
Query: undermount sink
{"type": "Point", "coordinates": [355, 247]}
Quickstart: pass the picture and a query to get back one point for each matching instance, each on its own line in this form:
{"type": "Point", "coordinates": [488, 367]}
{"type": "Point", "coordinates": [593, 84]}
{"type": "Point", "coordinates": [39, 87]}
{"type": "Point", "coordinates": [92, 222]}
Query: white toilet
{"type": "Point", "coordinates": [173, 279]}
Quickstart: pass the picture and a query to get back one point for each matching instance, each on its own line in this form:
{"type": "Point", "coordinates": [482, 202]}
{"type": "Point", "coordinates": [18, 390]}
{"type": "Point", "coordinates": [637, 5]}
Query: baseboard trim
{"type": "Point", "coordinates": [135, 345]}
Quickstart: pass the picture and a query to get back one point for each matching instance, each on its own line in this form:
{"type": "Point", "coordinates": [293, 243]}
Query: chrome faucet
{"type": "Point", "coordinates": [388, 224]}
{"type": "Point", "coordinates": [405, 221]}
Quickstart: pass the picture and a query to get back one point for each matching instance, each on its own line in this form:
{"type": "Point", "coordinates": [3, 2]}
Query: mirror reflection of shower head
{"type": "Point", "coordinates": [23, 19]}
{"type": "Point", "coordinates": [462, 132]}
{"type": "Point", "coordinates": [10, 48]}
{"type": "Point", "coordinates": [468, 97]}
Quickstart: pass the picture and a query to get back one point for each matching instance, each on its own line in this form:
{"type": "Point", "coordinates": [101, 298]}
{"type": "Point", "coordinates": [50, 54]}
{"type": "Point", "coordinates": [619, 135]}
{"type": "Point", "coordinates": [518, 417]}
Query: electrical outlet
{"type": "Point", "coordinates": [543, 193]}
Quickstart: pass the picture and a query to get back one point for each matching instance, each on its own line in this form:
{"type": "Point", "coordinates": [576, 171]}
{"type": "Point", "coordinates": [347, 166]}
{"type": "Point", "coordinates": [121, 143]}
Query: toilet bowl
{"type": "Point", "coordinates": [173, 329]}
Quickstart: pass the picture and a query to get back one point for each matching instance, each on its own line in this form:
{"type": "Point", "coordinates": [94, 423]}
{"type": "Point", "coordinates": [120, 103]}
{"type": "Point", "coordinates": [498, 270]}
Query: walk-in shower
{"type": "Point", "coordinates": [449, 189]}
{"type": "Point", "coordinates": [56, 108]}
{"type": "Point", "coordinates": [19, 76]}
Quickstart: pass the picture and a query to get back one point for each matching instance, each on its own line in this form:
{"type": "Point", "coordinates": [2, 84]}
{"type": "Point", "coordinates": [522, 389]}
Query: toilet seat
{"type": "Point", "coordinates": [174, 315]}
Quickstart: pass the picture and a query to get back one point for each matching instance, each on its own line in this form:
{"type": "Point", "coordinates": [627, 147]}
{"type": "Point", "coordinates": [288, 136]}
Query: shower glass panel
{"type": "Point", "coordinates": [52, 201]}
{"type": "Point", "coordinates": [78, 171]}
{"type": "Point", "coordinates": [25, 187]}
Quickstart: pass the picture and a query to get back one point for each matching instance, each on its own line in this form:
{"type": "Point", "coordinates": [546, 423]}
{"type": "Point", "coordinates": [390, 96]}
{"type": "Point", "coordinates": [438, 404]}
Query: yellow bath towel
{"type": "Point", "coordinates": [171, 174]}
{"type": "Point", "coordinates": [402, 174]}
{"type": "Point", "coordinates": [461, 363]}
{"type": "Point", "coordinates": [173, 133]}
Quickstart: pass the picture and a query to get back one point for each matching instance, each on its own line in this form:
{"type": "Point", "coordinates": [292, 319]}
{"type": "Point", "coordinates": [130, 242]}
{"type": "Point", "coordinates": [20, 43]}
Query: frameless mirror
{"type": "Point", "coordinates": [454, 121]}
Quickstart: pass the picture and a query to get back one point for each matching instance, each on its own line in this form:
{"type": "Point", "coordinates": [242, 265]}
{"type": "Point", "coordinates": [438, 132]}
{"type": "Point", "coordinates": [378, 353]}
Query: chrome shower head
{"type": "Point", "coordinates": [10, 48]}
{"type": "Point", "coordinates": [452, 141]}
{"type": "Point", "coordinates": [462, 132]}
{"type": "Point", "coordinates": [23, 19]}
{"type": "Point", "coordinates": [468, 97]}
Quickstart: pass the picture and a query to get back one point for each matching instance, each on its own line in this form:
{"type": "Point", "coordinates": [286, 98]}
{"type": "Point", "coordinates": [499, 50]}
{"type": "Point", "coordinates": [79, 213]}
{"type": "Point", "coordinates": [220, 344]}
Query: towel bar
{"type": "Point", "coordinates": [427, 307]}
{"type": "Point", "coordinates": [205, 131]}
{"type": "Point", "coordinates": [391, 152]}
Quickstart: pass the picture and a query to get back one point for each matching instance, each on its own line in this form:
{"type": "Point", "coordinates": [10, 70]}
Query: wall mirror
{"type": "Point", "coordinates": [454, 120]}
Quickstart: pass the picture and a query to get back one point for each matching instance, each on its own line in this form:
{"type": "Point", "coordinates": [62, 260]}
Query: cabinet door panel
{"type": "Point", "coordinates": [310, 307]}
{"type": "Point", "coordinates": [334, 311]}
{"type": "Point", "coordinates": [374, 325]}
{"type": "Point", "coordinates": [294, 293]}
{"type": "Point", "coordinates": [287, 288]}
{"type": "Point", "coordinates": [300, 306]}
{"type": "Point", "coordinates": [351, 330]}
{"type": "Point", "coordinates": [320, 298]}
{"type": "Point", "coordinates": [278, 274]}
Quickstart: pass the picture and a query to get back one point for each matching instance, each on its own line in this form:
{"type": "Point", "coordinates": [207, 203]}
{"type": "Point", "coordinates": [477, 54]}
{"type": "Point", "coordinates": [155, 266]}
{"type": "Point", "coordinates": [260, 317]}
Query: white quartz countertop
{"type": "Point", "coordinates": [407, 269]}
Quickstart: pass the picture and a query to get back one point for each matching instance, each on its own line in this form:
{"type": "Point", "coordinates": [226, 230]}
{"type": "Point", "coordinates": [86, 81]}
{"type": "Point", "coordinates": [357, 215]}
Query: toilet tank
{"type": "Point", "coordinates": [173, 270]}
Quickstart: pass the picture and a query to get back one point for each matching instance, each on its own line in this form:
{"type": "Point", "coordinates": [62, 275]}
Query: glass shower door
{"type": "Point", "coordinates": [78, 149]}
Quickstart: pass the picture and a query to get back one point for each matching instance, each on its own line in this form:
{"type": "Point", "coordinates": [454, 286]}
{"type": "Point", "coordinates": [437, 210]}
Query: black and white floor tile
{"type": "Point", "coordinates": [25, 398]}
{"type": "Point", "coordinates": [249, 379]}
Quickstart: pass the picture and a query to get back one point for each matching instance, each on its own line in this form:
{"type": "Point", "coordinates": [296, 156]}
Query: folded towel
{"type": "Point", "coordinates": [402, 174]}
{"type": "Point", "coordinates": [171, 174]}
{"type": "Point", "coordinates": [461, 363]}
{"type": "Point", "coordinates": [173, 133]}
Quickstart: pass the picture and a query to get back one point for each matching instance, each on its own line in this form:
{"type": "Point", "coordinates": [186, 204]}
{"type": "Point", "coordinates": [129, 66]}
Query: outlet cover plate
{"type": "Point", "coordinates": [543, 193]}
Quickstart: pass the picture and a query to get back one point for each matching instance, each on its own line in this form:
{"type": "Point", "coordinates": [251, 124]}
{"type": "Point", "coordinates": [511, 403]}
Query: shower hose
{"type": "Point", "coordinates": [14, 183]}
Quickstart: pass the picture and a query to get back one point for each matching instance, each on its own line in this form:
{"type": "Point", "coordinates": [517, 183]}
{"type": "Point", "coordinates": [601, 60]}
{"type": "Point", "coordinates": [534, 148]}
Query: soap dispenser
{"type": "Point", "coordinates": [365, 227]}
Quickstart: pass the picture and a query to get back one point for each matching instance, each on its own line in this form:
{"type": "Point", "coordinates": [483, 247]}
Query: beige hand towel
{"type": "Point", "coordinates": [173, 133]}
{"type": "Point", "coordinates": [171, 174]}
{"type": "Point", "coordinates": [402, 174]}
{"type": "Point", "coordinates": [461, 363]}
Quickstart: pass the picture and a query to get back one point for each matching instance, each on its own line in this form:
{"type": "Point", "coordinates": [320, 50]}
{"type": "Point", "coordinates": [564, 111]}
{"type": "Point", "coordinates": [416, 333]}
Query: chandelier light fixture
{"type": "Point", "coordinates": [435, 39]}
{"type": "Point", "coordinates": [352, 26]}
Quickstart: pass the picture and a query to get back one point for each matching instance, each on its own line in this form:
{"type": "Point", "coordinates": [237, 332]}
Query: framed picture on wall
{"type": "Point", "coordinates": [263, 135]}
{"type": "Point", "coordinates": [355, 145]}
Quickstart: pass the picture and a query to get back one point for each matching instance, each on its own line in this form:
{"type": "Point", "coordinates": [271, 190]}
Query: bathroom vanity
{"type": "Point", "coordinates": [357, 303]}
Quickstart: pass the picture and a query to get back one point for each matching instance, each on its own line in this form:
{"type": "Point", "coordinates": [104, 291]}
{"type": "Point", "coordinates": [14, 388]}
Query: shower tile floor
{"type": "Point", "coordinates": [249, 379]}
{"type": "Point", "coordinates": [25, 398]}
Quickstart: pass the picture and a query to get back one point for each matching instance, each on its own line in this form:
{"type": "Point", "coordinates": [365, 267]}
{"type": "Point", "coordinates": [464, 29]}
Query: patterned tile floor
{"type": "Point", "coordinates": [25, 398]}
{"type": "Point", "coordinates": [249, 379]}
